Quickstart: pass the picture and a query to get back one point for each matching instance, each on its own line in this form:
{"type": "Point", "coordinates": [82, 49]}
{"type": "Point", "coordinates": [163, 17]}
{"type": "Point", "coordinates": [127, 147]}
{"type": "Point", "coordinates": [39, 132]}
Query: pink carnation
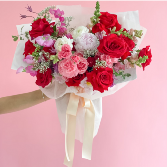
{"type": "Point", "coordinates": [75, 58]}
{"type": "Point", "coordinates": [65, 52]}
{"type": "Point", "coordinates": [67, 68]}
{"type": "Point", "coordinates": [82, 65]}
{"type": "Point", "coordinates": [109, 60]}
{"type": "Point", "coordinates": [119, 66]}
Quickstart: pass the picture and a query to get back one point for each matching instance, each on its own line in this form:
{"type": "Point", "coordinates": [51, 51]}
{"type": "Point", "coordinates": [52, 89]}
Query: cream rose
{"type": "Point", "coordinates": [79, 31]}
{"type": "Point", "coordinates": [61, 41]}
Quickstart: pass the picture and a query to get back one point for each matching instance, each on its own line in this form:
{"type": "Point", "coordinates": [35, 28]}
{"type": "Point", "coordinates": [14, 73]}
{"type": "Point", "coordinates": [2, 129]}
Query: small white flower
{"type": "Point", "coordinates": [61, 41]}
{"type": "Point", "coordinates": [79, 31]}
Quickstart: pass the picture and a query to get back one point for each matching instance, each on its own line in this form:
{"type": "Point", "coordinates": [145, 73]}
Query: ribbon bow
{"type": "Point", "coordinates": [71, 126]}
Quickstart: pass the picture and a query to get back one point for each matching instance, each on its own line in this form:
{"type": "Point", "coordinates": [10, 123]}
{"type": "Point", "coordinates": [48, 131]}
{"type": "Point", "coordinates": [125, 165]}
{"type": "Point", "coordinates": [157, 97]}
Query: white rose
{"type": "Point", "coordinates": [79, 31]}
{"type": "Point", "coordinates": [61, 41]}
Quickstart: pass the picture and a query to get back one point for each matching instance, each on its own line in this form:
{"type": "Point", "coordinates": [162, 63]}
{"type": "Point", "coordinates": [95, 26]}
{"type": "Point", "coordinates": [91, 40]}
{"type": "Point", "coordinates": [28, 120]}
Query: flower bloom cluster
{"type": "Point", "coordinates": [89, 57]}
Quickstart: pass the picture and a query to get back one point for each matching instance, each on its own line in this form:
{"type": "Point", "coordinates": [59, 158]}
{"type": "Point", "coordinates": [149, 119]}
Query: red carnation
{"type": "Point", "coordinates": [100, 78]}
{"type": "Point", "coordinates": [29, 48]}
{"type": "Point", "coordinates": [91, 61]}
{"type": "Point", "coordinates": [44, 79]}
{"type": "Point", "coordinates": [145, 52]}
{"type": "Point", "coordinates": [109, 20]}
{"type": "Point", "coordinates": [75, 81]}
{"type": "Point", "coordinates": [99, 27]}
{"type": "Point", "coordinates": [113, 45]}
{"type": "Point", "coordinates": [41, 27]}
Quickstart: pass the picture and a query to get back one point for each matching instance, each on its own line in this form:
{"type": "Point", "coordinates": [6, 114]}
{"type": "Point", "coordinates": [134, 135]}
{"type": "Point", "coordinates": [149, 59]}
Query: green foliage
{"type": "Point", "coordinates": [138, 33]}
{"type": "Point", "coordinates": [21, 38]}
{"type": "Point", "coordinates": [54, 58]}
{"type": "Point", "coordinates": [54, 28]}
{"type": "Point", "coordinates": [121, 32]}
{"type": "Point", "coordinates": [95, 18]}
{"type": "Point", "coordinates": [15, 38]}
{"type": "Point", "coordinates": [141, 60]}
{"type": "Point", "coordinates": [26, 35]}
{"type": "Point", "coordinates": [121, 73]}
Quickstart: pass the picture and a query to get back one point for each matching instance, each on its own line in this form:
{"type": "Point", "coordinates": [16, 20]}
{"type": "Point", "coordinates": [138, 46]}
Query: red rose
{"type": "Point", "coordinates": [91, 61]}
{"type": "Point", "coordinates": [99, 27]}
{"type": "Point", "coordinates": [109, 20]}
{"type": "Point", "coordinates": [125, 55]}
{"type": "Point", "coordinates": [44, 79]}
{"type": "Point", "coordinates": [41, 27]}
{"type": "Point", "coordinates": [29, 48]}
{"type": "Point", "coordinates": [75, 81]}
{"type": "Point", "coordinates": [100, 78]}
{"type": "Point", "coordinates": [113, 45]}
{"type": "Point", "coordinates": [130, 43]}
{"type": "Point", "coordinates": [145, 52]}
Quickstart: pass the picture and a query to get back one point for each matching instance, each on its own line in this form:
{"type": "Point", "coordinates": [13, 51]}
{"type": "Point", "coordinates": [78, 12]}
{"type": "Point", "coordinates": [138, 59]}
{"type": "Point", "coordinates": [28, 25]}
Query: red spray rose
{"type": "Point", "coordinates": [99, 27]}
{"type": "Point", "coordinates": [145, 52]}
{"type": "Point", "coordinates": [113, 45]}
{"type": "Point", "coordinates": [44, 79]}
{"type": "Point", "coordinates": [109, 20]}
{"type": "Point", "coordinates": [100, 78]}
{"type": "Point", "coordinates": [41, 27]}
{"type": "Point", "coordinates": [75, 81]}
{"type": "Point", "coordinates": [29, 48]}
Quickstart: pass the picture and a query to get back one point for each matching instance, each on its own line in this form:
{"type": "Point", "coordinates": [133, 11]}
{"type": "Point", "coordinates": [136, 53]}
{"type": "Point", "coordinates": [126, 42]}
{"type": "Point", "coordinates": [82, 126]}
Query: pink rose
{"type": "Point", "coordinates": [82, 65]}
{"type": "Point", "coordinates": [65, 52]}
{"type": "Point", "coordinates": [109, 60]}
{"type": "Point", "coordinates": [67, 68]}
{"type": "Point", "coordinates": [75, 58]}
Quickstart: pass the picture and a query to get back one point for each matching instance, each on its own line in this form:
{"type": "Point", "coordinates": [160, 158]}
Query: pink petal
{"type": "Point", "coordinates": [19, 70]}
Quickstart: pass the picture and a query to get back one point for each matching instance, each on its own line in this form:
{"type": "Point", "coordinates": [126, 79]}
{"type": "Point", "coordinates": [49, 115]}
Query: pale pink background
{"type": "Point", "coordinates": [133, 130]}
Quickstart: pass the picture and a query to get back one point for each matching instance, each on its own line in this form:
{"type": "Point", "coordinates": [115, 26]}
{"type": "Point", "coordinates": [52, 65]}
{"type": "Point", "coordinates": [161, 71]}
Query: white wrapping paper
{"type": "Point", "coordinates": [61, 92]}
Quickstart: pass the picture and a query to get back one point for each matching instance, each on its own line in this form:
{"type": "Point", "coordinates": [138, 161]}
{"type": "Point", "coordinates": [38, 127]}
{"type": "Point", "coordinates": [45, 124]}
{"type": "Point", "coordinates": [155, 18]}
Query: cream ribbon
{"type": "Point", "coordinates": [71, 126]}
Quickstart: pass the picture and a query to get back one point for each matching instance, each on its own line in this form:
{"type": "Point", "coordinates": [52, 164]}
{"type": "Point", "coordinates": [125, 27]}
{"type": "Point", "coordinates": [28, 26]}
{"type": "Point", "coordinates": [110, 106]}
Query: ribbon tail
{"type": "Point", "coordinates": [70, 129]}
{"type": "Point", "coordinates": [88, 132]}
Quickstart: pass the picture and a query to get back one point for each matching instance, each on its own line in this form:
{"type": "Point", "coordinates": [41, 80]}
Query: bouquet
{"type": "Point", "coordinates": [77, 62]}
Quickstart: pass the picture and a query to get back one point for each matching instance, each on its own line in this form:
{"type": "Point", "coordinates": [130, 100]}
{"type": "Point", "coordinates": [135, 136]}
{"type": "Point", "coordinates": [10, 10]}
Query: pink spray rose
{"type": "Point", "coordinates": [67, 68]}
{"type": "Point", "coordinates": [65, 52]}
{"type": "Point", "coordinates": [75, 58]}
{"type": "Point", "coordinates": [109, 60]}
{"type": "Point", "coordinates": [82, 65]}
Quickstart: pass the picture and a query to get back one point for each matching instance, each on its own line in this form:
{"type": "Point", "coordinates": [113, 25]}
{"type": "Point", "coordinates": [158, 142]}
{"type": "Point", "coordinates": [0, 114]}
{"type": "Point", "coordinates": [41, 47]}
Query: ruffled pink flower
{"type": "Point", "coordinates": [45, 40]}
{"type": "Point", "coordinates": [78, 54]}
{"type": "Point", "coordinates": [62, 30]}
{"type": "Point", "coordinates": [119, 66]}
{"type": "Point", "coordinates": [69, 36]}
{"type": "Point", "coordinates": [82, 65]}
{"type": "Point", "coordinates": [109, 61]}
{"type": "Point", "coordinates": [75, 58]}
{"type": "Point", "coordinates": [65, 52]}
{"type": "Point", "coordinates": [31, 71]}
{"type": "Point", "coordinates": [67, 68]}
{"type": "Point", "coordinates": [28, 59]}
{"type": "Point", "coordinates": [19, 70]}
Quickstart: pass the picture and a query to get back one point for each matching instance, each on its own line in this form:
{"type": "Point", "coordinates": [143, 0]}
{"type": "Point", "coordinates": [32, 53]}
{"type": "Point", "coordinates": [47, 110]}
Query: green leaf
{"type": "Point", "coordinates": [54, 28]}
{"type": "Point", "coordinates": [15, 38]}
{"type": "Point", "coordinates": [21, 38]}
{"type": "Point", "coordinates": [138, 50]}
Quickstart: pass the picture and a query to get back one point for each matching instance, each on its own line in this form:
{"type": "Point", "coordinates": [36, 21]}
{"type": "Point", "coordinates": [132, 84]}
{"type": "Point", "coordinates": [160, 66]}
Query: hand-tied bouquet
{"type": "Point", "coordinates": [79, 65]}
